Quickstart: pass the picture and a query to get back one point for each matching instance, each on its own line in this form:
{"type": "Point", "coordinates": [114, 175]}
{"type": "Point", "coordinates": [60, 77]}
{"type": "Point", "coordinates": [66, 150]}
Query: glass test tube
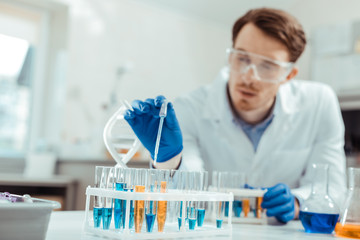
{"type": "Point", "coordinates": [194, 179]}
{"type": "Point", "coordinates": [182, 187]}
{"type": "Point", "coordinates": [163, 179]}
{"type": "Point", "coordinates": [119, 207]}
{"type": "Point", "coordinates": [107, 182]}
{"type": "Point", "coordinates": [129, 180]}
{"type": "Point", "coordinates": [246, 206]}
{"type": "Point", "coordinates": [239, 181]}
{"type": "Point", "coordinates": [172, 205]}
{"type": "Point", "coordinates": [150, 206]}
{"type": "Point", "coordinates": [203, 184]}
{"type": "Point", "coordinates": [140, 179]}
{"type": "Point", "coordinates": [222, 182]}
{"type": "Point", "coordinates": [258, 207]}
{"type": "Point", "coordinates": [98, 201]}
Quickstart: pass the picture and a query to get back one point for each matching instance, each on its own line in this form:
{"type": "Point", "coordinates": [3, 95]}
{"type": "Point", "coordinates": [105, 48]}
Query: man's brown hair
{"type": "Point", "coordinates": [278, 24]}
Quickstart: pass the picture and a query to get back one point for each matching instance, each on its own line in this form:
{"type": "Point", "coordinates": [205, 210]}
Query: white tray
{"type": "Point", "coordinates": [23, 220]}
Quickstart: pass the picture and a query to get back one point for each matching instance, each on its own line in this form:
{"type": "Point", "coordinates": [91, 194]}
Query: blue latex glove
{"type": "Point", "coordinates": [279, 202]}
{"type": "Point", "coordinates": [144, 121]}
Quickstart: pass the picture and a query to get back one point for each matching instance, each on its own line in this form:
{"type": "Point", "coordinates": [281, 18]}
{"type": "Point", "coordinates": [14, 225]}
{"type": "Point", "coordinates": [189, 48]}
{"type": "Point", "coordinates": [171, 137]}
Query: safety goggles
{"type": "Point", "coordinates": [263, 68]}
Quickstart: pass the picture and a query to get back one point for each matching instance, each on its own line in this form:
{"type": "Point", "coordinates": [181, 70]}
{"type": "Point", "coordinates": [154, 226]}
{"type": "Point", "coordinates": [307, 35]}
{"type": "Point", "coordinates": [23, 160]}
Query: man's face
{"type": "Point", "coordinates": [246, 92]}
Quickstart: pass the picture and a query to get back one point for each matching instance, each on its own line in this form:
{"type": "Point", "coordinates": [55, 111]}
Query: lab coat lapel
{"type": "Point", "coordinates": [219, 113]}
{"type": "Point", "coordinates": [285, 107]}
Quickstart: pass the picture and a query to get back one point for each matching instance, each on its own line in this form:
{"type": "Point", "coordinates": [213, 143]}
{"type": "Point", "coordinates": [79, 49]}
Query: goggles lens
{"type": "Point", "coordinates": [264, 69]}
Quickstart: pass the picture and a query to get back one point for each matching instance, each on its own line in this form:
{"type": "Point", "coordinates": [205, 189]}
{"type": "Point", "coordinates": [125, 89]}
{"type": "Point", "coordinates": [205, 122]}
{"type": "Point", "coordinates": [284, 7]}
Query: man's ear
{"type": "Point", "coordinates": [292, 74]}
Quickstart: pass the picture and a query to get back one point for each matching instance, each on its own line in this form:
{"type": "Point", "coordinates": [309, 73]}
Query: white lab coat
{"type": "Point", "coordinates": [307, 128]}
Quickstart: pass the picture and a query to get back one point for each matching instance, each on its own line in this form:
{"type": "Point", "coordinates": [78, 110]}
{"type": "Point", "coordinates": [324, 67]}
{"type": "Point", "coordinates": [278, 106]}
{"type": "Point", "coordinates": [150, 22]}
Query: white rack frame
{"type": "Point", "coordinates": [169, 196]}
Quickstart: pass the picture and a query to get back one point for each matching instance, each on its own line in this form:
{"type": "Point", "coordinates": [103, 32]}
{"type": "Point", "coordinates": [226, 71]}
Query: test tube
{"type": "Point", "coordinates": [181, 205]}
{"type": "Point", "coordinates": [163, 179]}
{"type": "Point", "coordinates": [140, 180]}
{"type": "Point", "coordinates": [98, 201]}
{"type": "Point", "coordinates": [119, 207]}
{"type": "Point", "coordinates": [107, 182]}
{"type": "Point", "coordinates": [246, 206]}
{"type": "Point", "coordinates": [129, 180]}
{"type": "Point", "coordinates": [194, 179]}
{"type": "Point", "coordinates": [222, 181]}
{"type": "Point", "coordinates": [172, 205]}
{"type": "Point", "coordinates": [239, 180]}
{"type": "Point", "coordinates": [150, 206]}
{"type": "Point", "coordinates": [258, 207]}
{"type": "Point", "coordinates": [203, 184]}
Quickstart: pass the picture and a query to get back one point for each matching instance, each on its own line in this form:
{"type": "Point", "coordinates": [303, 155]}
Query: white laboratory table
{"type": "Point", "coordinates": [68, 225]}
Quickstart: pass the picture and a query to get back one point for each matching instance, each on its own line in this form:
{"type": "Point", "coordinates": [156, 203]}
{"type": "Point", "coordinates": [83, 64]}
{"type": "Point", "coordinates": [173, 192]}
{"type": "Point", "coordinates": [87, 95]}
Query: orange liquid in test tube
{"type": "Point", "coordinates": [139, 210]}
{"type": "Point", "coordinates": [258, 206]}
{"type": "Point", "coordinates": [246, 206]}
{"type": "Point", "coordinates": [161, 211]}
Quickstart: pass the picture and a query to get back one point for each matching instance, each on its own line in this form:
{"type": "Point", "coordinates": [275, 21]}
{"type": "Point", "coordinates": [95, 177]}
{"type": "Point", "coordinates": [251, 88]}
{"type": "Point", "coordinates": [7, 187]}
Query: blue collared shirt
{"type": "Point", "coordinates": [254, 132]}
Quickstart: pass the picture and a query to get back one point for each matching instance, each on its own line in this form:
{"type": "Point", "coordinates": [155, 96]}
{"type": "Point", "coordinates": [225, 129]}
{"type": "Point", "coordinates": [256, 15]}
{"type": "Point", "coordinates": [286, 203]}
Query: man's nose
{"type": "Point", "coordinates": [250, 74]}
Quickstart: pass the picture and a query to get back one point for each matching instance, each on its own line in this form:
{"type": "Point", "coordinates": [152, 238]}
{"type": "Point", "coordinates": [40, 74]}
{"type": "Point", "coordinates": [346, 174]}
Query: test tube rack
{"type": "Point", "coordinates": [171, 229]}
{"type": "Point", "coordinates": [251, 195]}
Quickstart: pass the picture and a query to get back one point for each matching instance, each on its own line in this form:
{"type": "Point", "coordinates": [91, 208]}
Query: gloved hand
{"type": "Point", "coordinates": [144, 121]}
{"type": "Point", "coordinates": [279, 202]}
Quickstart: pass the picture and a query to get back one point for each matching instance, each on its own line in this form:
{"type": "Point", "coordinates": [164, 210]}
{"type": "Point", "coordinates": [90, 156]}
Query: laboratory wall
{"type": "Point", "coordinates": [320, 13]}
{"type": "Point", "coordinates": [163, 52]}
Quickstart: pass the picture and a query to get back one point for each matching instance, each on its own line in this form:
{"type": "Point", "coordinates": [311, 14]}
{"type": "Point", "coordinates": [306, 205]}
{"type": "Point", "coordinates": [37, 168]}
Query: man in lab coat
{"type": "Point", "coordinates": [254, 118]}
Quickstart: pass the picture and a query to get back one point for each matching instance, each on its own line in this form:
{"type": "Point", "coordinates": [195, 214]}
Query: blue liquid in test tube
{"type": "Point", "coordinates": [150, 220]}
{"type": "Point", "coordinates": [237, 208]}
{"type": "Point", "coordinates": [200, 217]}
{"type": "Point", "coordinates": [119, 208]}
{"type": "Point", "coordinates": [226, 209]}
{"type": "Point", "coordinates": [179, 222]}
{"type": "Point", "coordinates": [97, 212]}
{"type": "Point", "coordinates": [179, 218]}
{"type": "Point", "coordinates": [219, 223]}
{"type": "Point", "coordinates": [106, 217]}
{"type": "Point", "coordinates": [192, 223]}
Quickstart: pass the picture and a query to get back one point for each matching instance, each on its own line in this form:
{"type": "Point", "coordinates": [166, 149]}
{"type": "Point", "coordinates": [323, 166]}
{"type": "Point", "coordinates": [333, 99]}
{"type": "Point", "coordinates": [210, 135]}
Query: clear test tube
{"type": "Point", "coordinates": [181, 205]}
{"type": "Point", "coordinates": [238, 181]}
{"type": "Point", "coordinates": [151, 206]}
{"type": "Point", "coordinates": [163, 179]}
{"type": "Point", "coordinates": [194, 179]}
{"type": "Point", "coordinates": [172, 205]}
{"type": "Point", "coordinates": [129, 183]}
{"type": "Point", "coordinates": [98, 201]}
{"type": "Point", "coordinates": [107, 182]}
{"type": "Point", "coordinates": [120, 185]}
{"type": "Point", "coordinates": [140, 181]}
{"type": "Point", "coordinates": [203, 185]}
{"type": "Point", "coordinates": [222, 182]}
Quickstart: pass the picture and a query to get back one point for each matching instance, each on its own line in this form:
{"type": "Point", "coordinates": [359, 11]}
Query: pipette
{"type": "Point", "coordinates": [162, 115]}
